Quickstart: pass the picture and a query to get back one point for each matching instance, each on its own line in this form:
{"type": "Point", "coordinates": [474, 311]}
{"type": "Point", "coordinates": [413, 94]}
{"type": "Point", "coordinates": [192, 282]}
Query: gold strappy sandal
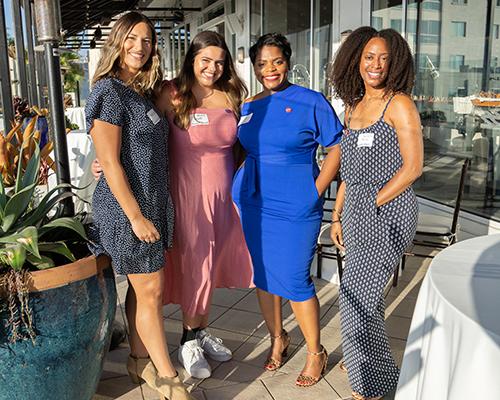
{"type": "Point", "coordinates": [271, 363]}
{"type": "Point", "coordinates": [306, 380]}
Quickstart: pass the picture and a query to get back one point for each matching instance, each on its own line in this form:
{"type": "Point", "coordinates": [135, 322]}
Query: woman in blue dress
{"type": "Point", "coordinates": [279, 192]}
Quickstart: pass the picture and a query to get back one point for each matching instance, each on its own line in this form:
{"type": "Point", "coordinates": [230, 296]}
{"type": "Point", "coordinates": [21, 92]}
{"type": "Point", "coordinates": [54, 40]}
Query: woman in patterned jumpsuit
{"type": "Point", "coordinates": [382, 154]}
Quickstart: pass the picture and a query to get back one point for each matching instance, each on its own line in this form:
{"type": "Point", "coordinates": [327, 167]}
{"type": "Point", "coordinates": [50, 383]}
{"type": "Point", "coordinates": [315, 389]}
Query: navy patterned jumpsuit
{"type": "Point", "coordinates": [375, 239]}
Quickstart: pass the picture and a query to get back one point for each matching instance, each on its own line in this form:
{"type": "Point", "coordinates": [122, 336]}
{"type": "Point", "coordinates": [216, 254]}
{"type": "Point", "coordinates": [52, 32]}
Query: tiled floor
{"type": "Point", "coordinates": [236, 319]}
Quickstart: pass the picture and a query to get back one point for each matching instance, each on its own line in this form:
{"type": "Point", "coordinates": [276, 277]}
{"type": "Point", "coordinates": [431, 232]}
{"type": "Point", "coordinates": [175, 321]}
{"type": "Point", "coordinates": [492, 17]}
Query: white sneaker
{"type": "Point", "coordinates": [213, 347]}
{"type": "Point", "coordinates": [191, 357]}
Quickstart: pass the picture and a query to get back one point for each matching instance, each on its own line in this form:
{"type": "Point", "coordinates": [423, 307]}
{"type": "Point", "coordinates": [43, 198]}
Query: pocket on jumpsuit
{"type": "Point", "coordinates": [370, 227]}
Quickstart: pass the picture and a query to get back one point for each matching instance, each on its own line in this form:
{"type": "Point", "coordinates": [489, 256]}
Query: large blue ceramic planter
{"type": "Point", "coordinates": [73, 324]}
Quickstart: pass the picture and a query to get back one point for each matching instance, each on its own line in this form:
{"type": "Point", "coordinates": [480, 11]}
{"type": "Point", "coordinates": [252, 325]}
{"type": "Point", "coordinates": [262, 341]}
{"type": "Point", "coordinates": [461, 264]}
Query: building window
{"type": "Point", "coordinates": [458, 28]}
{"type": "Point", "coordinates": [432, 5]}
{"type": "Point", "coordinates": [396, 24]}
{"type": "Point", "coordinates": [496, 31]}
{"type": "Point", "coordinates": [377, 23]}
{"type": "Point", "coordinates": [456, 62]}
{"type": "Point", "coordinates": [459, 2]}
{"type": "Point", "coordinates": [429, 31]}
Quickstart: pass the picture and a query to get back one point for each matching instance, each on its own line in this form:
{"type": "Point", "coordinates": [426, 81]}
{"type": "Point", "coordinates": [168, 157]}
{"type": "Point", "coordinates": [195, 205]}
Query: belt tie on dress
{"type": "Point", "coordinates": [251, 161]}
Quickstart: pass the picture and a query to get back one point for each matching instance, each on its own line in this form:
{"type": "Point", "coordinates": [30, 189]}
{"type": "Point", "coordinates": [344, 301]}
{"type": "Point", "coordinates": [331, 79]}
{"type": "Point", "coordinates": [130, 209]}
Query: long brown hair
{"type": "Point", "coordinates": [345, 77]}
{"type": "Point", "coordinates": [148, 79]}
{"type": "Point", "coordinates": [229, 82]}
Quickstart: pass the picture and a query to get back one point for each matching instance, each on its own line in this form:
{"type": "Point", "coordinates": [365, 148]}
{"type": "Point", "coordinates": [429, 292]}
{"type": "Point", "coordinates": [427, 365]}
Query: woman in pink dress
{"type": "Point", "coordinates": [209, 250]}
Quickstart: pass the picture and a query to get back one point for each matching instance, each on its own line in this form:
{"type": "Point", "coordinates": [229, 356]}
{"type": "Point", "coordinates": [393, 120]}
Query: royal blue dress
{"type": "Point", "coordinates": [275, 189]}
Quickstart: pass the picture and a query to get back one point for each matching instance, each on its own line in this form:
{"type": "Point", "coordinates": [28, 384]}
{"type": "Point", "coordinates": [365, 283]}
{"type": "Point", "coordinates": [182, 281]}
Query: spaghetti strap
{"type": "Point", "coordinates": [387, 105]}
{"type": "Point", "coordinates": [351, 110]}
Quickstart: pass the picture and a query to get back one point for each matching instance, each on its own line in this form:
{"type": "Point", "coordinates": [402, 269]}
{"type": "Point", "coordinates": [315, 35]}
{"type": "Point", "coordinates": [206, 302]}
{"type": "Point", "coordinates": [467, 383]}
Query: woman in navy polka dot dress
{"type": "Point", "coordinates": [132, 221]}
{"type": "Point", "coordinates": [382, 154]}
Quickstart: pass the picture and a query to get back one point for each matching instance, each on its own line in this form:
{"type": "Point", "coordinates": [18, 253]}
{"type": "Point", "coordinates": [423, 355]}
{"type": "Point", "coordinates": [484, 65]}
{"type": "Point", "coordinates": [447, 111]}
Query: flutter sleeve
{"type": "Point", "coordinates": [328, 126]}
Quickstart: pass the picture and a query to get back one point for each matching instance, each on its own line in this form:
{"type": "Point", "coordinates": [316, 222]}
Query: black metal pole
{"type": "Point", "coordinates": [19, 42]}
{"type": "Point", "coordinates": [77, 94]}
{"type": "Point", "coordinates": [58, 125]}
{"type": "Point", "coordinates": [485, 84]}
{"type": "Point", "coordinates": [8, 112]}
{"type": "Point", "coordinates": [28, 20]}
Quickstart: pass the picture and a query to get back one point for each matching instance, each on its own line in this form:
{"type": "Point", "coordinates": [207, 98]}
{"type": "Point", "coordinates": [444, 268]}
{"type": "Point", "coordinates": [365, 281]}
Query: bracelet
{"type": "Point", "coordinates": [334, 221]}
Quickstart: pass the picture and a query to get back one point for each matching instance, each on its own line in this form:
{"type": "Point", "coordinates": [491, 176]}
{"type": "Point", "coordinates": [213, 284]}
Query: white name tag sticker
{"type": "Point", "coordinates": [365, 139]}
{"type": "Point", "coordinates": [199, 119]}
{"type": "Point", "coordinates": [245, 119]}
{"type": "Point", "coordinates": [153, 116]}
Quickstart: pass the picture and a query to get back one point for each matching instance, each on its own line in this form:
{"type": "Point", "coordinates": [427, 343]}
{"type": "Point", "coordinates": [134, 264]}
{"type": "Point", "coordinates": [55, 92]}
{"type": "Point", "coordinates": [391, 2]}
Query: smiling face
{"type": "Point", "coordinates": [271, 68]}
{"type": "Point", "coordinates": [136, 49]}
{"type": "Point", "coordinates": [208, 65]}
{"type": "Point", "coordinates": [374, 63]}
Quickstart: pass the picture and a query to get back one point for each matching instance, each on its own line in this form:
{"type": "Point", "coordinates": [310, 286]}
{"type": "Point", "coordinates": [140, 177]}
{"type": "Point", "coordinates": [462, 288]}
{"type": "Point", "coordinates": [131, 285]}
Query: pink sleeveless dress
{"type": "Point", "coordinates": [209, 248]}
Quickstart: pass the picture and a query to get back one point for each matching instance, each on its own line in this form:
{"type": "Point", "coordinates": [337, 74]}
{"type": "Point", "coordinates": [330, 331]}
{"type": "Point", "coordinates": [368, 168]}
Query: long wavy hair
{"type": "Point", "coordinates": [344, 74]}
{"type": "Point", "coordinates": [147, 81]}
{"type": "Point", "coordinates": [229, 82]}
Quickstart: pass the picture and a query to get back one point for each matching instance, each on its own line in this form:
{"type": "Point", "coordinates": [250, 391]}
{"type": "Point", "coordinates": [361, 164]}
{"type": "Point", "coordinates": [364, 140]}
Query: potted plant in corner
{"type": "Point", "coordinates": [57, 303]}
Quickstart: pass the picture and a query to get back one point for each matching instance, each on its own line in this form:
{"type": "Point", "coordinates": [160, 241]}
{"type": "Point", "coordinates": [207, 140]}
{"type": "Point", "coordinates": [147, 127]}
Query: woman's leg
{"type": "Point", "coordinates": [137, 348]}
{"type": "Point", "coordinates": [192, 322]}
{"type": "Point", "coordinates": [270, 306]}
{"type": "Point", "coordinates": [148, 289]}
{"type": "Point", "coordinates": [307, 314]}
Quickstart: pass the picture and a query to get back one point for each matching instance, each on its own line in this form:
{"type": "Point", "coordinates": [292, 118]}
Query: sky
{"type": "Point", "coordinates": [8, 16]}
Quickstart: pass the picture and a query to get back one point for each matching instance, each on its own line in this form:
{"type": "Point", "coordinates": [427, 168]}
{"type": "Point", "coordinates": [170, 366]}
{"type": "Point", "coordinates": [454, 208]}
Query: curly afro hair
{"type": "Point", "coordinates": [344, 74]}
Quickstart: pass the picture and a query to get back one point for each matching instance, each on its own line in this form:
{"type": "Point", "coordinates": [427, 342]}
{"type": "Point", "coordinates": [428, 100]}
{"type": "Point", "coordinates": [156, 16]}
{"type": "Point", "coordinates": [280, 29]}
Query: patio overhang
{"type": "Point", "coordinates": [79, 15]}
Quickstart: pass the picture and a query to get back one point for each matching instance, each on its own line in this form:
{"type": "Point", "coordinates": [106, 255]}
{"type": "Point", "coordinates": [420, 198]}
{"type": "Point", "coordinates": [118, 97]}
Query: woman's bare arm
{"type": "Point", "coordinates": [403, 115]}
{"type": "Point", "coordinates": [107, 141]}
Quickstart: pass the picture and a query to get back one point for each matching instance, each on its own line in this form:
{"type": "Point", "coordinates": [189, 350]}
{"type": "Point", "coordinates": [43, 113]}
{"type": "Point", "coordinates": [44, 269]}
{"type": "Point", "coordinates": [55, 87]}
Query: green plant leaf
{"type": "Point", "coordinates": [42, 262]}
{"type": "Point", "coordinates": [35, 216]}
{"type": "Point", "coordinates": [28, 238]}
{"type": "Point", "coordinates": [3, 200]}
{"type": "Point", "coordinates": [64, 222]}
{"type": "Point", "coordinates": [13, 255]}
{"type": "Point", "coordinates": [3, 197]}
{"type": "Point", "coordinates": [16, 205]}
{"type": "Point", "coordinates": [46, 204]}
{"type": "Point", "coordinates": [17, 186]}
{"type": "Point", "coordinates": [32, 169]}
{"type": "Point", "coordinates": [57, 247]}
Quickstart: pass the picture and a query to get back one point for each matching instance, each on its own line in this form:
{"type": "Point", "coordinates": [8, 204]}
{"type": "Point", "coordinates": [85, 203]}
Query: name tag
{"type": "Point", "coordinates": [199, 119]}
{"type": "Point", "coordinates": [245, 119]}
{"type": "Point", "coordinates": [153, 116]}
{"type": "Point", "coordinates": [365, 139]}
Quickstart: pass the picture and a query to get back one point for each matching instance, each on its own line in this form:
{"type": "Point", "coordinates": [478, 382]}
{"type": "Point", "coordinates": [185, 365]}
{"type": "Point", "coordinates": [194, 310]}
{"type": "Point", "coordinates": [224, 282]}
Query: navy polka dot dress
{"type": "Point", "coordinates": [375, 239]}
{"type": "Point", "coordinates": [144, 158]}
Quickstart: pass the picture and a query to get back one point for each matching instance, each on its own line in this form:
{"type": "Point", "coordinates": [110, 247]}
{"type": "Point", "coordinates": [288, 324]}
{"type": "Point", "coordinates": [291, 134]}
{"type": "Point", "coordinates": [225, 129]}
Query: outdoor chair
{"type": "Point", "coordinates": [436, 231]}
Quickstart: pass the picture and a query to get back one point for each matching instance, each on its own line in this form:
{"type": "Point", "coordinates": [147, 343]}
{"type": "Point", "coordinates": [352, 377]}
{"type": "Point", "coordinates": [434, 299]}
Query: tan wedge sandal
{"type": "Point", "coordinates": [136, 367]}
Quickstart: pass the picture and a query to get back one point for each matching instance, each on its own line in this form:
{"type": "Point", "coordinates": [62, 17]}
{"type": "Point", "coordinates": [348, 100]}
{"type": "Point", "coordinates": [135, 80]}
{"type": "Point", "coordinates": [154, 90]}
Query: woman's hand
{"type": "Point", "coordinates": [336, 235]}
{"type": "Point", "coordinates": [145, 230]}
{"type": "Point", "coordinates": [96, 169]}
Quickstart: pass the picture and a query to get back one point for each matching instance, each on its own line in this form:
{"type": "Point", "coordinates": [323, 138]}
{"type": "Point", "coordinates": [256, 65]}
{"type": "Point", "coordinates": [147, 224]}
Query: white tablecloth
{"type": "Point", "coordinates": [81, 153]}
{"type": "Point", "coordinates": [453, 349]}
{"type": "Point", "coordinates": [77, 116]}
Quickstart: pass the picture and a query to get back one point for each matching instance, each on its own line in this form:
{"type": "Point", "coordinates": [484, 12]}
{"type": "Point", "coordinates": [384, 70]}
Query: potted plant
{"type": "Point", "coordinates": [57, 303]}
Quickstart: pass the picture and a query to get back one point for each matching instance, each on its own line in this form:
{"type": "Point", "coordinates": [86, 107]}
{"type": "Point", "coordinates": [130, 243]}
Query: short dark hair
{"type": "Point", "coordinates": [272, 39]}
{"type": "Point", "coordinates": [345, 77]}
